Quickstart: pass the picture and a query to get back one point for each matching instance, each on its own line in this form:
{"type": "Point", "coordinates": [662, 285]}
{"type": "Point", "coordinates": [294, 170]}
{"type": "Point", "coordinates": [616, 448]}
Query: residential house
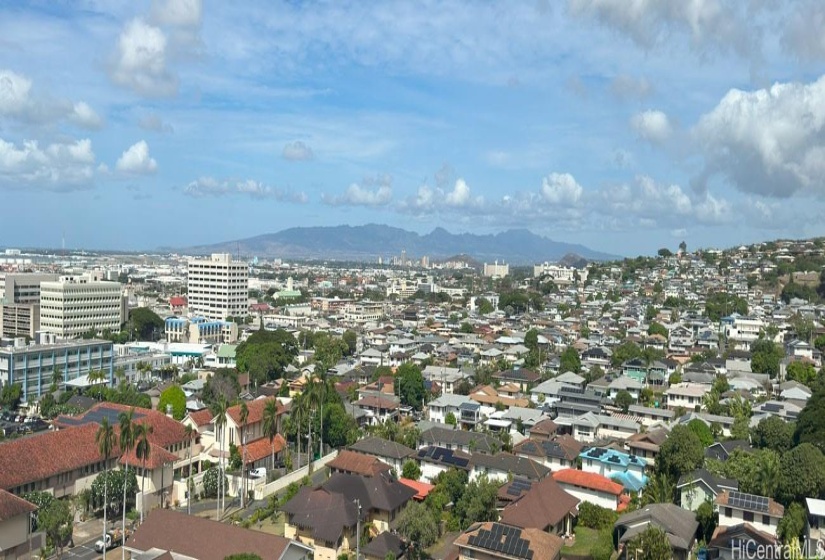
{"type": "Point", "coordinates": [815, 524]}
{"type": "Point", "coordinates": [438, 409]}
{"type": "Point", "coordinates": [738, 507]}
{"type": "Point", "coordinates": [646, 445]}
{"type": "Point", "coordinates": [435, 460]}
{"type": "Point", "coordinates": [497, 541]}
{"type": "Point", "coordinates": [448, 378]}
{"type": "Point", "coordinates": [468, 442]}
{"type": "Point", "coordinates": [167, 534]}
{"type": "Point", "coordinates": [635, 369]}
{"type": "Point", "coordinates": [500, 467]}
{"type": "Point", "coordinates": [557, 454]}
{"type": "Point", "coordinates": [590, 427]}
{"type": "Point", "coordinates": [649, 416]}
{"type": "Point", "coordinates": [323, 520]}
{"type": "Point", "coordinates": [627, 470]}
{"type": "Point", "coordinates": [545, 506]}
{"type": "Point", "coordinates": [702, 486]}
{"type": "Point", "coordinates": [688, 396]}
{"type": "Point", "coordinates": [379, 409]}
{"type": "Point", "coordinates": [523, 377]}
{"type": "Point", "coordinates": [543, 430]}
{"type": "Point", "coordinates": [380, 497]}
{"type": "Point", "coordinates": [389, 452]}
{"type": "Point", "coordinates": [678, 524]}
{"type": "Point", "coordinates": [235, 432]}
{"type": "Point", "coordinates": [623, 383]}
{"type": "Point", "coordinates": [745, 541]}
{"type": "Point", "coordinates": [722, 450]}
{"type": "Point", "coordinates": [350, 462]}
{"type": "Point", "coordinates": [591, 487]}
{"type": "Point", "coordinates": [385, 545]}
{"type": "Point", "coordinates": [15, 528]}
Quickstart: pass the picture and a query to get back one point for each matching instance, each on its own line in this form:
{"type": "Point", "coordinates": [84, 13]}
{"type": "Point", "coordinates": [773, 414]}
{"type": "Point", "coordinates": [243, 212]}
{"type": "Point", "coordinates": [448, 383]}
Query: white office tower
{"type": "Point", "coordinates": [73, 305]}
{"type": "Point", "coordinates": [218, 287]}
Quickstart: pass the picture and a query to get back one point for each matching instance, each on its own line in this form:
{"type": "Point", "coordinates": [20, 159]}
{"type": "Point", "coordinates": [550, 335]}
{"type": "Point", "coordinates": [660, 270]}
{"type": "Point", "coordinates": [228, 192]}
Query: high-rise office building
{"type": "Point", "coordinates": [20, 303]}
{"type": "Point", "coordinates": [218, 287]}
{"type": "Point", "coordinates": [75, 305]}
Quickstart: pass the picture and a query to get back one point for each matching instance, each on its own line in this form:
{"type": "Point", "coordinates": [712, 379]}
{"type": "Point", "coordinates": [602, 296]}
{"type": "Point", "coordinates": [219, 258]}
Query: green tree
{"type": "Point", "coordinates": [596, 517]}
{"type": "Point", "coordinates": [809, 425]}
{"type": "Point", "coordinates": [109, 488]}
{"type": "Point", "coordinates": [484, 306]}
{"type": "Point", "coordinates": [328, 351]}
{"type": "Point", "coordinates": [126, 442]}
{"type": "Point", "coordinates": [708, 520]}
{"type": "Point", "coordinates": [142, 451]}
{"type": "Point", "coordinates": [477, 503]}
{"type": "Point", "coordinates": [450, 419]}
{"type": "Point", "coordinates": [271, 425]}
{"type": "Point", "coordinates": [624, 352]}
{"type": "Point", "coordinates": [801, 372]}
{"type": "Point", "coordinates": [144, 324]}
{"type": "Point", "coordinates": [106, 441]}
{"type": "Point", "coordinates": [664, 252]}
{"type": "Point", "coordinates": [11, 395]}
{"type": "Point", "coordinates": [792, 523]}
{"type": "Point", "coordinates": [57, 521]}
{"type": "Point", "coordinates": [411, 385]}
{"type": "Point", "coordinates": [773, 433]}
{"type": "Point", "coordinates": [661, 489]}
{"type": "Point", "coordinates": [652, 544]}
{"type": "Point", "coordinates": [765, 357]}
{"type": "Point", "coordinates": [801, 473]}
{"type": "Point", "coordinates": [702, 431]}
{"type": "Point", "coordinates": [681, 453]}
{"type": "Point", "coordinates": [212, 484]}
{"type": "Point", "coordinates": [531, 339]}
{"type": "Point", "coordinates": [570, 360]}
{"type": "Point", "coordinates": [721, 304]}
{"type": "Point", "coordinates": [265, 354]}
{"type": "Point", "coordinates": [173, 398]}
{"type": "Point", "coordinates": [350, 338]}
{"type": "Point", "coordinates": [340, 429]}
{"type": "Point", "coordinates": [623, 400]}
{"type": "Point", "coordinates": [411, 470]}
{"type": "Point", "coordinates": [466, 328]}
{"type": "Point", "coordinates": [416, 523]}
{"type": "Point", "coordinates": [657, 328]}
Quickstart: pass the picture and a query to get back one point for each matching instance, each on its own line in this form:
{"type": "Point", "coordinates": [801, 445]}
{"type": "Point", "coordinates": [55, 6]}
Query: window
{"type": "Point", "coordinates": [747, 516]}
{"type": "Point", "coordinates": [766, 520]}
{"type": "Point", "coordinates": [728, 512]}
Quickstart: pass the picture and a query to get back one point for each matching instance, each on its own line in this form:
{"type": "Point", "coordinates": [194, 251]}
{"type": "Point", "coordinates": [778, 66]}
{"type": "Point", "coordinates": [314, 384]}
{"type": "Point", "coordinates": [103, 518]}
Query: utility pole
{"type": "Point", "coordinates": [358, 531]}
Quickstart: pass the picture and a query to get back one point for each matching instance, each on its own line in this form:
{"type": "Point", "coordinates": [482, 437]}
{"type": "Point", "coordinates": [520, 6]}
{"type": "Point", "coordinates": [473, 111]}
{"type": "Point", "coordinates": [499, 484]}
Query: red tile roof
{"type": "Point", "coordinates": [591, 481]}
{"type": "Point", "coordinates": [262, 448]}
{"type": "Point", "coordinates": [48, 454]}
{"type": "Point", "coordinates": [357, 463]}
{"type": "Point", "coordinates": [177, 301]}
{"type": "Point", "coordinates": [201, 417]}
{"type": "Point", "coordinates": [422, 488]}
{"type": "Point", "coordinates": [12, 506]}
{"type": "Point", "coordinates": [158, 457]}
{"type": "Point", "coordinates": [256, 411]}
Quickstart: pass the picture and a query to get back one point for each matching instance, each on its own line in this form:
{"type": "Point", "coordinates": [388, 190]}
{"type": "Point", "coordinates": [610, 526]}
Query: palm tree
{"type": "Point", "coordinates": [660, 490]}
{"type": "Point", "coordinates": [191, 433]}
{"type": "Point", "coordinates": [105, 439]}
{"type": "Point", "coordinates": [270, 425]}
{"type": "Point", "coordinates": [298, 412]}
{"type": "Point", "coordinates": [767, 474]}
{"type": "Point", "coordinates": [142, 451]}
{"type": "Point", "coordinates": [244, 414]}
{"type": "Point", "coordinates": [127, 443]}
{"type": "Point", "coordinates": [219, 414]}
{"type": "Point", "coordinates": [57, 378]}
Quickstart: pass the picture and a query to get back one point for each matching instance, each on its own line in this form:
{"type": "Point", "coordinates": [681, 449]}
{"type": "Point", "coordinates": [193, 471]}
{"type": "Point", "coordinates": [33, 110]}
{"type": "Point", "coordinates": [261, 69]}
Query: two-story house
{"type": "Point", "coordinates": [628, 470]}
{"type": "Point", "coordinates": [760, 511]}
{"type": "Point", "coordinates": [556, 454]}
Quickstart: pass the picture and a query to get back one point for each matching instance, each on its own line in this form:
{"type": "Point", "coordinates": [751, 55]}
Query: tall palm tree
{"type": "Point", "coordinates": [105, 439]}
{"type": "Point", "coordinates": [142, 451]}
{"type": "Point", "coordinates": [191, 433]}
{"type": "Point", "coordinates": [767, 474]}
{"type": "Point", "coordinates": [127, 443]}
{"type": "Point", "coordinates": [270, 425]}
{"type": "Point", "coordinates": [244, 414]}
{"type": "Point", "coordinates": [219, 415]}
{"type": "Point", "coordinates": [297, 413]}
{"type": "Point", "coordinates": [660, 490]}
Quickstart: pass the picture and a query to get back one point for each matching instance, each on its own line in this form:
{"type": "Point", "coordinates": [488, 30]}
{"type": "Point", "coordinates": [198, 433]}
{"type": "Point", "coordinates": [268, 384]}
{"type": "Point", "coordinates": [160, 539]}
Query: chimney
{"type": "Point", "coordinates": [169, 411]}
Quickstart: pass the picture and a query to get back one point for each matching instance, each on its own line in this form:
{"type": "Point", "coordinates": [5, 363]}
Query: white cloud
{"type": "Point", "coordinates": [84, 116]}
{"type": "Point", "coordinates": [14, 93]}
{"type": "Point", "coordinates": [561, 189]}
{"type": "Point", "coordinates": [154, 123]}
{"type": "Point", "coordinates": [297, 151]}
{"type": "Point", "coordinates": [356, 195]}
{"type": "Point", "coordinates": [653, 126]}
{"type": "Point", "coordinates": [140, 60]}
{"type": "Point", "coordinates": [59, 166]}
{"type": "Point", "coordinates": [460, 196]}
{"type": "Point", "coordinates": [803, 34]}
{"type": "Point", "coordinates": [769, 141]}
{"type": "Point", "coordinates": [439, 199]}
{"type": "Point", "coordinates": [209, 186]}
{"type": "Point", "coordinates": [182, 13]}
{"type": "Point", "coordinates": [136, 160]}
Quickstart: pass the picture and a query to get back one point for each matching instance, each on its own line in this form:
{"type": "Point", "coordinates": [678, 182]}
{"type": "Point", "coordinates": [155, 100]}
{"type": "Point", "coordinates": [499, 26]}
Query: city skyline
{"type": "Point", "coordinates": [621, 127]}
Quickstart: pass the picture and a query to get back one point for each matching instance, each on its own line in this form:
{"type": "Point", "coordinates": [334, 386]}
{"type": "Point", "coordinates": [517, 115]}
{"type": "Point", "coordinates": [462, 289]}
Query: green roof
{"type": "Point", "coordinates": [227, 350]}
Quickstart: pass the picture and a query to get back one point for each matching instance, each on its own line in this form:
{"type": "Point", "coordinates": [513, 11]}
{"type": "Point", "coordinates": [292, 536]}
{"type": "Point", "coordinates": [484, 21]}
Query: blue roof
{"type": "Point", "coordinates": [612, 457]}
{"type": "Point", "coordinates": [629, 480]}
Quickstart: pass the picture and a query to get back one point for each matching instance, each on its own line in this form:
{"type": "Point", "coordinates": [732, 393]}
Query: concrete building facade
{"type": "Point", "coordinates": [75, 305]}
{"type": "Point", "coordinates": [218, 287]}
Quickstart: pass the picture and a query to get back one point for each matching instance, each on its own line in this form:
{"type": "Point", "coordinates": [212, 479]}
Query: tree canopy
{"type": "Point", "coordinates": [411, 385]}
{"type": "Point", "coordinates": [722, 304]}
{"type": "Point", "coordinates": [680, 454]}
{"type": "Point", "coordinates": [570, 360]}
{"type": "Point", "coordinates": [801, 473]}
{"type": "Point", "coordinates": [144, 323]}
{"type": "Point", "coordinates": [766, 356]}
{"type": "Point", "coordinates": [174, 397]}
{"type": "Point", "coordinates": [773, 433]}
{"type": "Point", "coordinates": [809, 425]}
{"type": "Point", "coordinates": [265, 354]}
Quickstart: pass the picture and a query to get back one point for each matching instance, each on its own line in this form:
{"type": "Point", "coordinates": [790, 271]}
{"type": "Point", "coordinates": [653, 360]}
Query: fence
{"type": "Point", "coordinates": [262, 492]}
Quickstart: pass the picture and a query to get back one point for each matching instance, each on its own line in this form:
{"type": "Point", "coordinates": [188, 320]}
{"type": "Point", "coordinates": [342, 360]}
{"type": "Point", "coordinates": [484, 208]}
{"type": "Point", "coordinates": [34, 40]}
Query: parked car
{"type": "Point", "coordinates": [258, 473]}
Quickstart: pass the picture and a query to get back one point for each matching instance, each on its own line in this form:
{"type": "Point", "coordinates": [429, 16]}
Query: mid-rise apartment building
{"type": "Point", "coordinates": [75, 305]}
{"type": "Point", "coordinates": [22, 287]}
{"type": "Point", "coordinates": [20, 303]}
{"type": "Point", "coordinates": [32, 366]}
{"type": "Point", "coordinates": [218, 287]}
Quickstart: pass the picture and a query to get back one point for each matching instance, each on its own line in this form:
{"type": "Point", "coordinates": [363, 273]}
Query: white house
{"type": "Point", "coordinates": [760, 511]}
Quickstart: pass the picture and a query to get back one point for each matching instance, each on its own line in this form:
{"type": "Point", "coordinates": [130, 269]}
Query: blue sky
{"type": "Point", "coordinates": [626, 125]}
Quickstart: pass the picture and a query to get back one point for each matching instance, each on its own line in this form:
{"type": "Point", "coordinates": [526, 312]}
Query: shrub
{"type": "Point", "coordinates": [596, 517]}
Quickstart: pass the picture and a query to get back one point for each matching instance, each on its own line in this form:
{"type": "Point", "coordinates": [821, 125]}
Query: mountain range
{"type": "Point", "coordinates": [368, 242]}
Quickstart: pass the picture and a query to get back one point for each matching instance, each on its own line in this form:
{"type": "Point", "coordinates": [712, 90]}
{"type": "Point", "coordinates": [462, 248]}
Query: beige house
{"type": "Point", "coordinates": [15, 516]}
{"type": "Point", "coordinates": [497, 541]}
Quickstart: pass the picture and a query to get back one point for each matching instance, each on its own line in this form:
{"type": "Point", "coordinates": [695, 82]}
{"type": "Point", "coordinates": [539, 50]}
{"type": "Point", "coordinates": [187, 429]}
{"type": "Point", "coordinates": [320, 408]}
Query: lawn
{"type": "Point", "coordinates": [585, 539]}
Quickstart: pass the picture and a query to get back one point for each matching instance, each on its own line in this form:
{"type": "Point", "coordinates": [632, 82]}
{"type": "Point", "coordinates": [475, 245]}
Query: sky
{"type": "Point", "coordinates": [625, 125]}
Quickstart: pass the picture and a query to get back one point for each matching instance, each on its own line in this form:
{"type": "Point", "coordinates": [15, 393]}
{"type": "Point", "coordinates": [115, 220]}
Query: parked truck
{"type": "Point", "coordinates": [113, 539]}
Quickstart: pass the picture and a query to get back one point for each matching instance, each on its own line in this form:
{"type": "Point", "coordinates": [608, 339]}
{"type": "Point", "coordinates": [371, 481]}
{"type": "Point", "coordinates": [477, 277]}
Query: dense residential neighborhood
{"type": "Point", "coordinates": [199, 407]}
